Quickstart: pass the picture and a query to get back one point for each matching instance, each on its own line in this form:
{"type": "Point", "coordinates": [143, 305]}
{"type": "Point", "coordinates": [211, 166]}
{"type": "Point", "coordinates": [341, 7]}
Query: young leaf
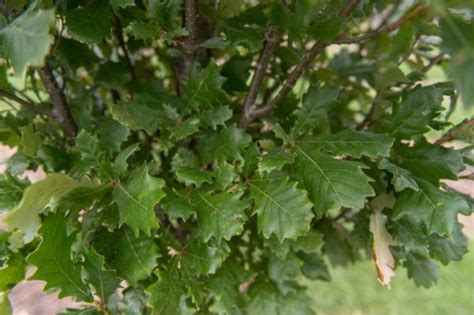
{"type": "Point", "coordinates": [53, 260]}
{"type": "Point", "coordinates": [281, 208]}
{"type": "Point", "coordinates": [136, 198]}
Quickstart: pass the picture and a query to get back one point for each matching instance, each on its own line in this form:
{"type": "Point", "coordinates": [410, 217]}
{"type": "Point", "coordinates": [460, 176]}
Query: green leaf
{"type": "Point", "coordinates": [435, 209]}
{"type": "Point", "coordinates": [275, 159]}
{"type": "Point", "coordinates": [5, 307]}
{"type": "Point", "coordinates": [430, 162]}
{"type": "Point", "coordinates": [212, 118]}
{"type": "Point", "coordinates": [10, 192]}
{"type": "Point", "coordinates": [353, 143]}
{"type": "Point", "coordinates": [201, 258]}
{"type": "Point", "coordinates": [37, 197]}
{"type": "Point", "coordinates": [447, 249]}
{"type": "Point", "coordinates": [410, 236]}
{"type": "Point", "coordinates": [225, 175]}
{"type": "Point", "coordinates": [227, 144]}
{"type": "Point", "coordinates": [136, 198]}
{"type": "Point", "coordinates": [317, 101]}
{"type": "Point", "coordinates": [165, 294]}
{"type": "Point", "coordinates": [31, 141]}
{"type": "Point", "coordinates": [92, 155]}
{"type": "Point", "coordinates": [176, 205]}
{"type": "Point", "coordinates": [281, 208]}
{"type": "Point", "coordinates": [296, 303]}
{"type": "Point", "coordinates": [314, 267]}
{"type": "Point", "coordinates": [193, 176]}
{"type": "Point", "coordinates": [401, 178]}
{"type": "Point", "coordinates": [143, 30]}
{"type": "Point", "coordinates": [26, 40]}
{"type": "Point", "coordinates": [418, 108]}
{"type": "Point", "coordinates": [53, 260]}
{"type": "Point", "coordinates": [104, 281]}
{"type": "Point", "coordinates": [220, 215]}
{"type": "Point", "coordinates": [331, 183]}
{"type": "Point", "coordinates": [139, 114]}
{"type": "Point", "coordinates": [185, 129]}
{"type": "Point", "coordinates": [12, 271]}
{"type": "Point", "coordinates": [120, 165]}
{"type": "Point", "coordinates": [204, 87]}
{"type": "Point", "coordinates": [336, 245]}
{"type": "Point", "coordinates": [135, 257]}
{"type": "Point", "coordinates": [250, 36]}
{"type": "Point", "coordinates": [90, 23]}
{"type": "Point", "coordinates": [283, 270]}
{"type": "Point", "coordinates": [421, 269]}
{"type": "Point", "coordinates": [117, 4]}
{"type": "Point", "coordinates": [113, 75]}
{"type": "Point", "coordinates": [224, 287]}
{"type": "Point", "coordinates": [264, 303]}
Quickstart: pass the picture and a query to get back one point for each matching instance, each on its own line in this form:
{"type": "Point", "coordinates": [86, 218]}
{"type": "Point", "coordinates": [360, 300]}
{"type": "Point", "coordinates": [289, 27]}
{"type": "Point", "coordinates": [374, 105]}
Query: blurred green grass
{"type": "Point", "coordinates": [355, 291]}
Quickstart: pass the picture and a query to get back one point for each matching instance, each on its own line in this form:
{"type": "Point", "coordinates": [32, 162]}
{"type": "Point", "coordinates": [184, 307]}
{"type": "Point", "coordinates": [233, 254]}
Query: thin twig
{"type": "Point", "coordinates": [433, 62]}
{"type": "Point", "coordinates": [119, 34]}
{"type": "Point", "coordinates": [271, 42]}
{"type": "Point", "coordinates": [415, 12]}
{"type": "Point", "coordinates": [453, 132]}
{"type": "Point", "coordinates": [61, 112]}
{"type": "Point", "coordinates": [30, 106]}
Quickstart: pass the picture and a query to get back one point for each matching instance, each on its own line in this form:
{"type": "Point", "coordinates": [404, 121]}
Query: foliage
{"type": "Point", "coordinates": [206, 156]}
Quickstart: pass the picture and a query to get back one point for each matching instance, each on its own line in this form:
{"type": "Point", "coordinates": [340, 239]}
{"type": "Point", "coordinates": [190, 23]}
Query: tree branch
{"type": "Point", "coordinates": [190, 44]}
{"type": "Point", "coordinates": [271, 42]}
{"type": "Point", "coordinates": [60, 113]}
{"type": "Point", "coordinates": [319, 46]}
{"type": "Point", "coordinates": [119, 34]}
{"type": "Point", "coordinates": [30, 106]}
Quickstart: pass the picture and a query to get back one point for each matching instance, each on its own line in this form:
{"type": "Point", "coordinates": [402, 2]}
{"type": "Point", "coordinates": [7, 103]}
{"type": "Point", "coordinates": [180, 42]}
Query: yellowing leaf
{"type": "Point", "coordinates": [36, 197]}
{"type": "Point", "coordinates": [384, 261]}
